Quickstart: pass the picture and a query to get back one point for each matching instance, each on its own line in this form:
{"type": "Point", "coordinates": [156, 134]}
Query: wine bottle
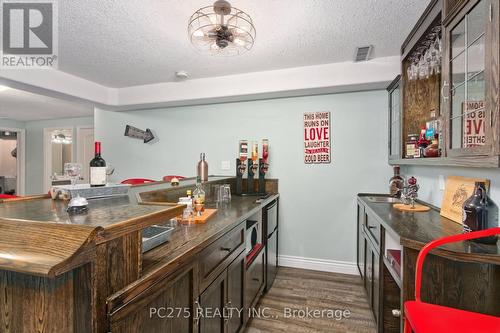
{"type": "Point", "coordinates": [97, 168]}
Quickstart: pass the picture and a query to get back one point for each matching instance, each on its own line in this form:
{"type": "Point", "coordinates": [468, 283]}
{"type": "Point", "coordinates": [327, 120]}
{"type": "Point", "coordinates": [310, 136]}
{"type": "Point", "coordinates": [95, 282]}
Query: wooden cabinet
{"type": "Point", "coordinates": [361, 240]}
{"type": "Point", "coordinates": [213, 306]}
{"type": "Point", "coordinates": [236, 293]}
{"type": "Point", "coordinates": [470, 79]}
{"type": "Point", "coordinates": [372, 279]}
{"type": "Point", "coordinates": [255, 280]}
{"type": "Point", "coordinates": [368, 258]}
{"type": "Point", "coordinates": [461, 101]}
{"type": "Point", "coordinates": [165, 306]}
{"type": "Point", "coordinates": [222, 302]}
{"type": "Point", "coordinates": [395, 144]}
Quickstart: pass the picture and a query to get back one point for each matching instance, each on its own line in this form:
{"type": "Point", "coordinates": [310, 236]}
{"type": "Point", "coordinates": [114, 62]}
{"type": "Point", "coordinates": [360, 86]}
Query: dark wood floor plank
{"type": "Point", "coordinates": [300, 289]}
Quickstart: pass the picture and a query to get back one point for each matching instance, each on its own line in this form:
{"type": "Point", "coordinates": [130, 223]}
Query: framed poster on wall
{"type": "Point", "coordinates": [317, 134]}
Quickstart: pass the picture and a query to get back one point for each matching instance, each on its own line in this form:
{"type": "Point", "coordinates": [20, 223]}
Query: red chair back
{"type": "Point", "coordinates": [169, 178]}
{"type": "Point", "coordinates": [446, 240]}
{"type": "Point", "coordinates": [137, 181]}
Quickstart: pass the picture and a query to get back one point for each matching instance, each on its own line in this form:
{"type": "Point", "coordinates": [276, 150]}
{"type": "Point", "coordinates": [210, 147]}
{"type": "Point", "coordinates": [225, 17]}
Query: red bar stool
{"type": "Point", "coordinates": [169, 178]}
{"type": "Point", "coordinates": [137, 181]}
{"type": "Point", "coordinates": [8, 196]}
{"type": "Point", "coordinates": [421, 317]}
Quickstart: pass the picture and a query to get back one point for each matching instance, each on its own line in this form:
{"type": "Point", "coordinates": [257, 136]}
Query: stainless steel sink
{"type": "Point", "coordinates": [383, 199]}
{"type": "Point", "coordinates": [155, 236]}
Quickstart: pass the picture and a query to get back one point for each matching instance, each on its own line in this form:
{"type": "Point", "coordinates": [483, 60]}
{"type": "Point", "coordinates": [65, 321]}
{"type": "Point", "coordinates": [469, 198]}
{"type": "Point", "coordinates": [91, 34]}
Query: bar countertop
{"type": "Point", "coordinates": [414, 230]}
{"type": "Point", "coordinates": [39, 237]}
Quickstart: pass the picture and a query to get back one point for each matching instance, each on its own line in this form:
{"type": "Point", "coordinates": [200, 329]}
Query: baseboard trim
{"type": "Point", "coordinates": [323, 265]}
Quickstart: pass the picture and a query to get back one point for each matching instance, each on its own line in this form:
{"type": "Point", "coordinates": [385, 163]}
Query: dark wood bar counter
{"type": "Point", "coordinates": [87, 273]}
{"type": "Point", "coordinates": [459, 275]}
{"type": "Point", "coordinates": [414, 230]}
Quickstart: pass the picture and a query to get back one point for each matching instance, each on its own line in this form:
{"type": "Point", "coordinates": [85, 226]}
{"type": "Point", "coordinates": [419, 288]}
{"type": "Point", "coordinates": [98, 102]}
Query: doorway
{"type": "Point", "coordinates": [58, 150]}
{"type": "Point", "coordinates": [12, 161]}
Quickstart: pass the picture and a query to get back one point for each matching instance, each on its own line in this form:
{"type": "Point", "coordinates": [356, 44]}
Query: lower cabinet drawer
{"type": "Point", "coordinates": [215, 258]}
{"type": "Point", "coordinates": [254, 279]}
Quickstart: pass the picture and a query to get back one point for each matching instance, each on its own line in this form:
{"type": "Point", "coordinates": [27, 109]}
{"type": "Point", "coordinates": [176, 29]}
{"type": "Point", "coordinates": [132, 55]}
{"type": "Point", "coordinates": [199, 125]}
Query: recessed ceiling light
{"type": "Point", "coordinates": [3, 88]}
{"type": "Point", "coordinates": [183, 75]}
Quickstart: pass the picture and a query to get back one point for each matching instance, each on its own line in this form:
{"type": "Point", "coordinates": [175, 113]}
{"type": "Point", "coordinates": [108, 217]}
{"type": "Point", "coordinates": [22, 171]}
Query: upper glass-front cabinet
{"type": "Point", "coordinates": [467, 81]}
{"type": "Point", "coordinates": [395, 119]}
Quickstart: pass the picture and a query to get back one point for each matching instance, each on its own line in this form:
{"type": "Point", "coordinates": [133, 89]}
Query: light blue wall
{"type": "Point", "coordinates": [318, 206]}
{"type": "Point", "coordinates": [7, 123]}
{"type": "Point", "coordinates": [428, 177]}
{"type": "Point", "coordinates": [34, 149]}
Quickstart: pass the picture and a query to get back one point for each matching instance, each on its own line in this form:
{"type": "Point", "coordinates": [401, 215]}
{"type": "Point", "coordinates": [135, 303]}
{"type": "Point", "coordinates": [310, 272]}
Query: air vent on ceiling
{"type": "Point", "coordinates": [363, 53]}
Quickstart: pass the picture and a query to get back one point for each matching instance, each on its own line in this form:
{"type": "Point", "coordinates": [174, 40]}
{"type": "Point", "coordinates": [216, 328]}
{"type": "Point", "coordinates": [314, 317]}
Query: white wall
{"type": "Point", "coordinates": [428, 178]}
{"type": "Point", "coordinates": [318, 205]}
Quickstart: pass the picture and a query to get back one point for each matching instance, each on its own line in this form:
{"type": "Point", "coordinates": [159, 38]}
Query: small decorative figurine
{"type": "Point", "coordinates": [410, 192]}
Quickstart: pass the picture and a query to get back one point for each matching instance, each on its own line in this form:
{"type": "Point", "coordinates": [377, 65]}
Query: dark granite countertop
{"type": "Point", "coordinates": [414, 230]}
{"type": "Point", "coordinates": [103, 212]}
{"type": "Point", "coordinates": [186, 238]}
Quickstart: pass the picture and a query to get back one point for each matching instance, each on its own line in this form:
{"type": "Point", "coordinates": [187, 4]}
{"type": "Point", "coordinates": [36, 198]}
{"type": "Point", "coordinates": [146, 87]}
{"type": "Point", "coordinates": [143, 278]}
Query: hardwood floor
{"type": "Point", "coordinates": [299, 289]}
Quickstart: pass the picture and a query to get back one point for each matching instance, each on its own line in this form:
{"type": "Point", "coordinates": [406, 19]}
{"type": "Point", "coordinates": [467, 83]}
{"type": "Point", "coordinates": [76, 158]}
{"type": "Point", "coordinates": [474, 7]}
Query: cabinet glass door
{"type": "Point", "coordinates": [395, 119]}
{"type": "Point", "coordinates": [468, 115]}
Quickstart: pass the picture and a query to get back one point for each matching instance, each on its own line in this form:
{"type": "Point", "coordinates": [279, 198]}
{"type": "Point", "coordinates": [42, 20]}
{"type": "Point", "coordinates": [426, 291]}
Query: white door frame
{"type": "Point", "coordinates": [47, 153]}
{"type": "Point", "coordinates": [21, 158]}
{"type": "Point", "coordinates": [79, 139]}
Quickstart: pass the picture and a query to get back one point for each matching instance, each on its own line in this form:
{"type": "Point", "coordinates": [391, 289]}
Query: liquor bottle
{"type": "Point", "coordinates": [396, 183]}
{"type": "Point", "coordinates": [203, 168]}
{"type": "Point", "coordinates": [97, 168]}
{"type": "Point", "coordinates": [199, 193]}
{"type": "Point", "coordinates": [480, 213]}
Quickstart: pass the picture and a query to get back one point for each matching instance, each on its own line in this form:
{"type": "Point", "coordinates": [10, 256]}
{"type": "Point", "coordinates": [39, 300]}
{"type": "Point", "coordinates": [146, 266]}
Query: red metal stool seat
{"type": "Point", "coordinates": [137, 181]}
{"type": "Point", "coordinates": [423, 317]}
{"type": "Point", "coordinates": [169, 178]}
{"type": "Point", "coordinates": [431, 318]}
{"type": "Point", "coordinates": [8, 196]}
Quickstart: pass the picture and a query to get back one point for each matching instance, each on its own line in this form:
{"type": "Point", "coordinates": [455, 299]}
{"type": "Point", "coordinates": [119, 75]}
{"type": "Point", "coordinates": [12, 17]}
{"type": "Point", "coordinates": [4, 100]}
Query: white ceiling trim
{"type": "Point", "coordinates": [59, 82]}
{"type": "Point", "coordinates": [308, 80]}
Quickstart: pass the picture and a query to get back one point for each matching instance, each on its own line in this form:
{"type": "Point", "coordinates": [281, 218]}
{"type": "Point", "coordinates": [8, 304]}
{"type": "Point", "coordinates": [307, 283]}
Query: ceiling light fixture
{"type": "Point", "coordinates": [221, 30]}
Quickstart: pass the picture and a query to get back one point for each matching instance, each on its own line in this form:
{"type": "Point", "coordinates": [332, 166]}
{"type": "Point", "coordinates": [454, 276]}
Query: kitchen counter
{"type": "Point", "coordinates": [414, 230]}
{"type": "Point", "coordinates": [39, 237]}
{"type": "Point", "coordinates": [186, 239]}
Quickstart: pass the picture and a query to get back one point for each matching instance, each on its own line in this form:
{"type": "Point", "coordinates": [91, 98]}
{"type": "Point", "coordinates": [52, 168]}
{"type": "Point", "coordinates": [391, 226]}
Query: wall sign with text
{"type": "Point", "coordinates": [474, 124]}
{"type": "Point", "coordinates": [317, 147]}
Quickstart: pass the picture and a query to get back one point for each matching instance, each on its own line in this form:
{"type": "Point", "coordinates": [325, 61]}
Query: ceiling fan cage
{"type": "Point", "coordinates": [222, 31]}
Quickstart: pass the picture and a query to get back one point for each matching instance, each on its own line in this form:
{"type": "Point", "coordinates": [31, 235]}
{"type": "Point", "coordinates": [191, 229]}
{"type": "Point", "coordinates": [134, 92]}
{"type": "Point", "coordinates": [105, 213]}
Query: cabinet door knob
{"type": "Point", "coordinates": [372, 227]}
{"type": "Point", "coordinates": [396, 313]}
{"type": "Point", "coordinates": [196, 309]}
{"type": "Point", "coordinates": [226, 249]}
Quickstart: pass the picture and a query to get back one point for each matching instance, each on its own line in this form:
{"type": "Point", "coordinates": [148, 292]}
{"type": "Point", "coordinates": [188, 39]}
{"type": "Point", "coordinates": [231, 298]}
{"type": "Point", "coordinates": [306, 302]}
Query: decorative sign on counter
{"type": "Point", "coordinates": [474, 124]}
{"type": "Point", "coordinates": [457, 190]}
{"type": "Point", "coordinates": [317, 148]}
{"type": "Point", "coordinates": [134, 132]}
